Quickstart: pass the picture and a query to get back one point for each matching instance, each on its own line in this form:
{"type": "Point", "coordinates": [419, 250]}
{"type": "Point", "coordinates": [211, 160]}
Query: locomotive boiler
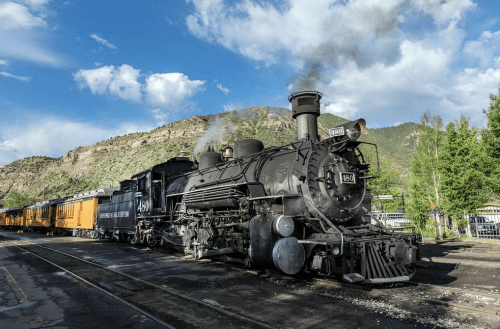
{"type": "Point", "coordinates": [301, 206]}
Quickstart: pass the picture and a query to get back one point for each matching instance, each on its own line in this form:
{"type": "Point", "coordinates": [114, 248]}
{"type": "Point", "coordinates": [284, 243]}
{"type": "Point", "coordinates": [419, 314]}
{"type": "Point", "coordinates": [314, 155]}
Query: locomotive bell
{"type": "Point", "coordinates": [305, 109]}
{"type": "Point", "coordinates": [227, 152]}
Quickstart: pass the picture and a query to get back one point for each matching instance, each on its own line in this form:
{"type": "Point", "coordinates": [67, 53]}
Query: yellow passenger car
{"type": "Point", "coordinates": [29, 216]}
{"type": "Point", "coordinates": [15, 217]}
{"type": "Point", "coordinates": [3, 219]}
{"type": "Point", "coordinates": [78, 213]}
{"type": "Point", "coordinates": [42, 215]}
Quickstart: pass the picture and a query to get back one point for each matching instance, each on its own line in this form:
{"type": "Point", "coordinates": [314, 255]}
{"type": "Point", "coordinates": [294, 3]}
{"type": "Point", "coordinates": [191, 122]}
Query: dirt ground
{"type": "Point", "coordinates": [471, 268]}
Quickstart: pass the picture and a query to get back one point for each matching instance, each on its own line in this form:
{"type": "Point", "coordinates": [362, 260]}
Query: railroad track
{"type": "Point", "coordinates": [165, 306]}
{"type": "Point", "coordinates": [419, 292]}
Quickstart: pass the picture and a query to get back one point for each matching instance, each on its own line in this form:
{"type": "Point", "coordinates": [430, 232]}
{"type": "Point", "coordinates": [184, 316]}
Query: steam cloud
{"type": "Point", "coordinates": [215, 134]}
{"type": "Point", "coordinates": [219, 128]}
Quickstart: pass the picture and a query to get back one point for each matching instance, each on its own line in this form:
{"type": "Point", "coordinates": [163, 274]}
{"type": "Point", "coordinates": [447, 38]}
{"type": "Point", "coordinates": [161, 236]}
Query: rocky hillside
{"type": "Point", "coordinates": [108, 162]}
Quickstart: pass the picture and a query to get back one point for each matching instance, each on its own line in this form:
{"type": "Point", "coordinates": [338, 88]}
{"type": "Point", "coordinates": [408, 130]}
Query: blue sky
{"type": "Point", "coordinates": [73, 73]}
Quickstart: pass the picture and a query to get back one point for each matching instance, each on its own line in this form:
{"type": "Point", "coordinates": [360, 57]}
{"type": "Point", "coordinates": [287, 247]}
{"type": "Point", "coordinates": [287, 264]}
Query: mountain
{"type": "Point", "coordinates": [108, 162]}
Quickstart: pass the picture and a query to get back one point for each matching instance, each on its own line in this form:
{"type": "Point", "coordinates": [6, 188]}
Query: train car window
{"type": "Point", "coordinates": [45, 212]}
{"type": "Point", "coordinates": [104, 200]}
{"type": "Point", "coordinates": [141, 185]}
{"type": "Point", "coordinates": [156, 194]}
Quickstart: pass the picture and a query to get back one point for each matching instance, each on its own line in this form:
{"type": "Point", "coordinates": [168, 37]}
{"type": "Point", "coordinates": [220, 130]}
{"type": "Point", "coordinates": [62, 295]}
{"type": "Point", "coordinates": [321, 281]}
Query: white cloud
{"type": "Point", "coordinates": [420, 81]}
{"type": "Point", "coordinates": [361, 54]}
{"type": "Point", "coordinates": [121, 81]}
{"type": "Point", "coordinates": [160, 116]}
{"type": "Point", "coordinates": [125, 84]}
{"type": "Point", "coordinates": [53, 137]}
{"type": "Point", "coordinates": [323, 30]}
{"type": "Point", "coordinates": [169, 90]}
{"type": "Point", "coordinates": [232, 106]}
{"type": "Point", "coordinates": [24, 34]}
{"type": "Point", "coordinates": [4, 62]}
{"type": "Point", "coordinates": [484, 50]}
{"type": "Point", "coordinates": [166, 90]}
{"type": "Point", "coordinates": [223, 89]}
{"type": "Point", "coordinates": [98, 80]}
{"type": "Point", "coordinates": [103, 42]}
{"type": "Point", "coordinates": [17, 77]}
{"type": "Point", "coordinates": [444, 11]}
{"type": "Point", "coordinates": [36, 4]}
{"type": "Point", "coordinates": [17, 16]}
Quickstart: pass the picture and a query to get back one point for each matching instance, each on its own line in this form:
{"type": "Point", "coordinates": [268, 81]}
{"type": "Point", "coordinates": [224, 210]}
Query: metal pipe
{"type": "Point", "coordinates": [306, 110]}
{"type": "Point", "coordinates": [307, 126]}
{"type": "Point", "coordinates": [216, 252]}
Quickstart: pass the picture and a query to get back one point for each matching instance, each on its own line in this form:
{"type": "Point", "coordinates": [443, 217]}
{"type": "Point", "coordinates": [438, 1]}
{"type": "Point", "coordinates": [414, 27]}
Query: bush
{"type": "Point", "coordinates": [17, 199]}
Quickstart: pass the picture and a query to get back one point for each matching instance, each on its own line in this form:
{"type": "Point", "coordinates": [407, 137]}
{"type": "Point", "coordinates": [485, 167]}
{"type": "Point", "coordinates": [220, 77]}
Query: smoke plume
{"type": "Point", "coordinates": [214, 135]}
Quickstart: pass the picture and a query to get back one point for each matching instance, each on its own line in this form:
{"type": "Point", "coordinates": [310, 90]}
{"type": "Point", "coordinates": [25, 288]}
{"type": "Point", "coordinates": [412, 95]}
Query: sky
{"type": "Point", "coordinates": [76, 72]}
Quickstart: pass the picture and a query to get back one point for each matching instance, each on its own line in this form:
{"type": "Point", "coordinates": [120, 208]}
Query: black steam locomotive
{"type": "Point", "coordinates": [299, 206]}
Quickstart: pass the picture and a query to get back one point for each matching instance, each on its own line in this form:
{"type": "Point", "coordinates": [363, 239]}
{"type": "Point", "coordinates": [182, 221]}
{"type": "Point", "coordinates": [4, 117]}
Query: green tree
{"type": "Point", "coordinates": [490, 140]}
{"type": "Point", "coordinates": [16, 199]}
{"type": "Point", "coordinates": [461, 169]}
{"type": "Point", "coordinates": [425, 178]}
{"type": "Point", "coordinates": [386, 184]}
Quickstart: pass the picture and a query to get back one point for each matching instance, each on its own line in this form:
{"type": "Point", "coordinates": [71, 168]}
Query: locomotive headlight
{"type": "Point", "coordinates": [354, 132]}
{"type": "Point", "coordinates": [335, 251]}
{"type": "Point", "coordinates": [351, 130]}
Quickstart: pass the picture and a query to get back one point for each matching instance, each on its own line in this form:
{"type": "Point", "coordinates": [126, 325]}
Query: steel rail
{"type": "Point", "coordinates": [163, 288]}
{"type": "Point", "coordinates": [152, 317]}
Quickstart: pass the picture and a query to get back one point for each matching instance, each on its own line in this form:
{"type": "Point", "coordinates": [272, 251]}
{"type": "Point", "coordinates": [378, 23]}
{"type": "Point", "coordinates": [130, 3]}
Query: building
{"type": "Point", "coordinates": [491, 211]}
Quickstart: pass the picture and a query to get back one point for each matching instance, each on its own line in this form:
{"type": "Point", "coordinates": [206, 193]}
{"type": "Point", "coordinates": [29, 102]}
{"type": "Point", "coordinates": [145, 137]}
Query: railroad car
{"type": "Point", "coordinates": [77, 214]}
{"type": "Point", "coordinates": [30, 214]}
{"type": "Point", "coordinates": [14, 217]}
{"type": "Point", "coordinates": [302, 206]}
{"type": "Point", "coordinates": [117, 218]}
{"type": "Point", "coordinates": [41, 215]}
{"type": "Point", "coordinates": [3, 221]}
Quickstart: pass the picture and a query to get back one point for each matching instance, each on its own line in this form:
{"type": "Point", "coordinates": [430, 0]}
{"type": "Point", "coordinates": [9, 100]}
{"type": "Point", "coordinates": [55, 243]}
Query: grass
{"type": "Point", "coordinates": [466, 238]}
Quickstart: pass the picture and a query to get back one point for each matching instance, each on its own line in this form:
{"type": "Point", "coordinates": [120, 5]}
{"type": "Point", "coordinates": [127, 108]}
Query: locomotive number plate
{"type": "Point", "coordinates": [337, 132]}
{"type": "Point", "coordinates": [347, 178]}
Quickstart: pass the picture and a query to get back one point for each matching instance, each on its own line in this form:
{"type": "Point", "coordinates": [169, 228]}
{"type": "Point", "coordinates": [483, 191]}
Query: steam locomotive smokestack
{"type": "Point", "coordinates": [305, 109]}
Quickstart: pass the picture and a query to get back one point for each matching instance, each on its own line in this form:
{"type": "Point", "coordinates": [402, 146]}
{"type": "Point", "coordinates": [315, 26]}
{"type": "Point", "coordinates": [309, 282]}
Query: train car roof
{"type": "Point", "coordinates": [46, 203]}
{"type": "Point", "coordinates": [162, 165]}
{"type": "Point", "coordinates": [15, 208]}
{"type": "Point", "coordinates": [100, 192]}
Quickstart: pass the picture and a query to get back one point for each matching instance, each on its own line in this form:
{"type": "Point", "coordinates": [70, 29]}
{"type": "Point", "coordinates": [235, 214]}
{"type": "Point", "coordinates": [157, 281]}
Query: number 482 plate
{"type": "Point", "coordinates": [347, 178]}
